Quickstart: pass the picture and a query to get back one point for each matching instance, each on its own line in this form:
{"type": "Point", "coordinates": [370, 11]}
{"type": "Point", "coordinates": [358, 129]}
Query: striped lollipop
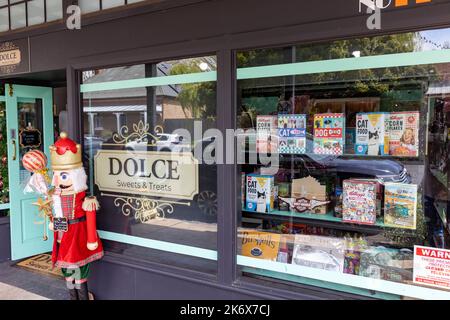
{"type": "Point", "coordinates": [34, 161]}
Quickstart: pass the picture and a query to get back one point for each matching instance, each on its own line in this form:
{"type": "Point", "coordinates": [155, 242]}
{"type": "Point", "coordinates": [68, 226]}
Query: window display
{"type": "Point", "coordinates": [362, 172]}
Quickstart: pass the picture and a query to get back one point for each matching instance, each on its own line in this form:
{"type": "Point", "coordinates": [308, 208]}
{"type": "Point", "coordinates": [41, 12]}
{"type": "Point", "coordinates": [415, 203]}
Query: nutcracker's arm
{"type": "Point", "coordinates": [91, 205]}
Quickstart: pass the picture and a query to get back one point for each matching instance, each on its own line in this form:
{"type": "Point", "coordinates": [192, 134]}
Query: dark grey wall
{"type": "Point", "coordinates": [5, 241]}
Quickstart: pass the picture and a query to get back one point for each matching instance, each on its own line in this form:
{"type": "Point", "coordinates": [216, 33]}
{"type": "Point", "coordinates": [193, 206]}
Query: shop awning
{"type": "Point", "coordinates": [439, 88]}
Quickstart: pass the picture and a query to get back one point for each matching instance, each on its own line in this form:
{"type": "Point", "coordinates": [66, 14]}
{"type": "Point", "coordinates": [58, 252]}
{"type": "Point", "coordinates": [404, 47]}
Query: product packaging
{"type": "Point", "coordinates": [400, 205]}
{"type": "Point", "coordinates": [292, 133]}
{"type": "Point", "coordinates": [372, 136]}
{"type": "Point", "coordinates": [260, 193]}
{"type": "Point", "coordinates": [404, 134]}
{"type": "Point", "coordinates": [329, 133]}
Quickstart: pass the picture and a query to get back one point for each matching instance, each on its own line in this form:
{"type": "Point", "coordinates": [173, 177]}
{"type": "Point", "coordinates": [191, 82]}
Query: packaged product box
{"type": "Point", "coordinates": [309, 195]}
{"type": "Point", "coordinates": [387, 264]}
{"type": "Point", "coordinates": [361, 201]}
{"type": "Point", "coordinates": [329, 133]}
{"type": "Point", "coordinates": [260, 193]}
{"type": "Point", "coordinates": [266, 134]}
{"type": "Point", "coordinates": [326, 253]}
{"type": "Point", "coordinates": [372, 135]}
{"type": "Point", "coordinates": [352, 257]}
{"type": "Point", "coordinates": [400, 205]}
{"type": "Point", "coordinates": [292, 133]}
{"type": "Point", "coordinates": [404, 134]}
{"type": "Point", "coordinates": [260, 245]}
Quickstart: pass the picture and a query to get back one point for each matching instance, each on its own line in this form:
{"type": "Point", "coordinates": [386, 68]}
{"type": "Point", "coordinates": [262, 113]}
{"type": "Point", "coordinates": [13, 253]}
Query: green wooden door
{"type": "Point", "coordinates": [27, 108]}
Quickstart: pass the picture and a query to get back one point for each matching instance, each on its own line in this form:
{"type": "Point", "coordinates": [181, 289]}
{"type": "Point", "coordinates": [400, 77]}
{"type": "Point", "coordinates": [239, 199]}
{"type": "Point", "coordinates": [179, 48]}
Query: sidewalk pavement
{"type": "Point", "coordinates": [20, 284]}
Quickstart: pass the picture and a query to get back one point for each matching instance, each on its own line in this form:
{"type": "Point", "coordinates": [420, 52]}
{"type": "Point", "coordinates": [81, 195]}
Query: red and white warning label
{"type": "Point", "coordinates": [432, 267]}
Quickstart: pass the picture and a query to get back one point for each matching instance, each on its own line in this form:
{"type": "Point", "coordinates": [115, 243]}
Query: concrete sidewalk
{"type": "Point", "coordinates": [8, 292]}
{"type": "Point", "coordinates": [20, 284]}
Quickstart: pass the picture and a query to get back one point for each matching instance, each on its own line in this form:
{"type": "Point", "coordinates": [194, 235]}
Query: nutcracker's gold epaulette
{"type": "Point", "coordinates": [90, 204]}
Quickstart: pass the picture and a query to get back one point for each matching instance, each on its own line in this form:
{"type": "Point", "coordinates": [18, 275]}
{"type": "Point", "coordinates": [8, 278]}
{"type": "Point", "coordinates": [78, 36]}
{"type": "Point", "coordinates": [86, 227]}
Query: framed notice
{"type": "Point", "coordinates": [30, 138]}
{"type": "Point", "coordinates": [432, 267]}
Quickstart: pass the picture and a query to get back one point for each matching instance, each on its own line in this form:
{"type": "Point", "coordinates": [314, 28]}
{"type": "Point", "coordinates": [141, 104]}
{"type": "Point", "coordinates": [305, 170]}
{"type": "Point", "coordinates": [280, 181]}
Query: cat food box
{"type": "Point", "coordinates": [404, 134]}
{"type": "Point", "coordinates": [266, 134]}
{"type": "Point", "coordinates": [260, 194]}
{"type": "Point", "coordinates": [292, 133]}
{"type": "Point", "coordinates": [372, 136]}
{"type": "Point", "coordinates": [329, 133]}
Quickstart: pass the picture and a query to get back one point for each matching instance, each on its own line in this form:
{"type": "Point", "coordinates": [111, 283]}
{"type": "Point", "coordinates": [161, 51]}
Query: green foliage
{"type": "Point", "coordinates": [198, 98]}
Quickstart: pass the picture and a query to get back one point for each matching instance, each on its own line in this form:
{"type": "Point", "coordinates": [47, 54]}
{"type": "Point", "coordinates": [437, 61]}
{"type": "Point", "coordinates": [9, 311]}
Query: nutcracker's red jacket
{"type": "Point", "coordinates": [72, 251]}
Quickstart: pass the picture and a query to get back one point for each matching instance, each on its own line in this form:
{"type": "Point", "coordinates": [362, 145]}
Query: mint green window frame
{"type": "Point", "coordinates": [154, 82]}
{"type": "Point", "coordinates": [323, 278]}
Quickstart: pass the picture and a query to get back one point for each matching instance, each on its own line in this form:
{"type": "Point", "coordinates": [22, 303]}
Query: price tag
{"type": "Point", "coordinates": [60, 224]}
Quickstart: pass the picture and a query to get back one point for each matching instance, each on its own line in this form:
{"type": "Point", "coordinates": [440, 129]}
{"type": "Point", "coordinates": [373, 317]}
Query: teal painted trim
{"type": "Point", "coordinates": [347, 64]}
{"type": "Point", "coordinates": [150, 82]}
{"type": "Point", "coordinates": [160, 245]}
{"type": "Point", "coordinates": [390, 287]}
{"type": "Point", "coordinates": [321, 284]}
{"type": "Point", "coordinates": [2, 98]}
{"type": "Point", "coordinates": [4, 206]}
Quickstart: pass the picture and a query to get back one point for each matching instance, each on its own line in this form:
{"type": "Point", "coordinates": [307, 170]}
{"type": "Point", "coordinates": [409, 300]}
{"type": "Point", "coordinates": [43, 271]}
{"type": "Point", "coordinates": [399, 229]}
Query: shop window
{"type": "Point", "coordinates": [142, 124]}
{"type": "Point", "coordinates": [344, 183]}
{"type": "Point", "coordinates": [4, 185]}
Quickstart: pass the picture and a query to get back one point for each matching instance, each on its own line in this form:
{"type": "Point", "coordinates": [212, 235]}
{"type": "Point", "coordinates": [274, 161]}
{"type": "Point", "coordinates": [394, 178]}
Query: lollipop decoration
{"type": "Point", "coordinates": [35, 161]}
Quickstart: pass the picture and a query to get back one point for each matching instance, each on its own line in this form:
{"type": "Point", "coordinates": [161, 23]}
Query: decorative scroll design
{"type": "Point", "coordinates": [141, 133]}
{"type": "Point", "coordinates": [145, 209]}
{"type": "Point", "coordinates": [8, 46]}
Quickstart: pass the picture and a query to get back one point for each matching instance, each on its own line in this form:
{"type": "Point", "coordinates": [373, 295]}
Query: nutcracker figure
{"type": "Point", "coordinates": [76, 242]}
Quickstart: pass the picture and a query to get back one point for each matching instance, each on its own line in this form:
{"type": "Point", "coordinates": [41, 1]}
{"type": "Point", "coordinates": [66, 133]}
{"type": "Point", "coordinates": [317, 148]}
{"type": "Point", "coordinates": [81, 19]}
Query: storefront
{"type": "Point", "coordinates": [246, 149]}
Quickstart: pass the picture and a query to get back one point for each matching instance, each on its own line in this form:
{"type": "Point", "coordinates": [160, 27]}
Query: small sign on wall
{"type": "Point", "coordinates": [14, 57]}
{"type": "Point", "coordinates": [30, 138]}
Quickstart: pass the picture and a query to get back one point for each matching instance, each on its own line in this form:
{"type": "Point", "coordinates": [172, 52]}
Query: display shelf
{"type": "Point", "coordinates": [321, 220]}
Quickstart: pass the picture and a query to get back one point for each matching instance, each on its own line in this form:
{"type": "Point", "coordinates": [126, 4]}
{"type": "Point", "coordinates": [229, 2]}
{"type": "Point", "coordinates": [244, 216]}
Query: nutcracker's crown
{"type": "Point", "coordinates": [65, 154]}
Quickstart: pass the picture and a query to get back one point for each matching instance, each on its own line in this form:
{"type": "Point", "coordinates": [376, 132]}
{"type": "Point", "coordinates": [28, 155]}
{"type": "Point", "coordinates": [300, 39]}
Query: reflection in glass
{"type": "Point", "coordinates": [138, 125]}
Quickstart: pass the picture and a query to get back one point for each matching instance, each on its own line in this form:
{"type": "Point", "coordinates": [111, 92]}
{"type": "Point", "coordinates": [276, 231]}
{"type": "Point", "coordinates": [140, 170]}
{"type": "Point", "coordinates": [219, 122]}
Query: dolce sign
{"type": "Point", "coordinates": [8, 58]}
{"type": "Point", "coordinates": [149, 173]}
{"type": "Point", "coordinates": [14, 57]}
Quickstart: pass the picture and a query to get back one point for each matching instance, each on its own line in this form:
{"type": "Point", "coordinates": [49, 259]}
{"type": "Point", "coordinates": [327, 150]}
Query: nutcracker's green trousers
{"type": "Point", "coordinates": [79, 275]}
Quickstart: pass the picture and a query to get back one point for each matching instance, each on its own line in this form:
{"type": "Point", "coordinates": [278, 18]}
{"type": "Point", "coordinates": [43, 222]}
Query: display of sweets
{"type": "Point", "coordinates": [361, 201]}
{"type": "Point", "coordinates": [292, 133]}
{"type": "Point", "coordinates": [404, 134]}
{"type": "Point", "coordinates": [260, 193]}
{"type": "Point", "coordinates": [387, 264]}
{"type": "Point", "coordinates": [319, 252]}
{"type": "Point", "coordinates": [266, 134]}
{"type": "Point", "coordinates": [329, 133]}
{"type": "Point", "coordinates": [260, 245]}
{"type": "Point", "coordinates": [400, 205]}
{"type": "Point", "coordinates": [372, 136]}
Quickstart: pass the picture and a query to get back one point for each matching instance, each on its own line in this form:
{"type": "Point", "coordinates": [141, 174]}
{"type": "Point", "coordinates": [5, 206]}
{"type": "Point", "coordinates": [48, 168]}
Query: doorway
{"type": "Point", "coordinates": [33, 106]}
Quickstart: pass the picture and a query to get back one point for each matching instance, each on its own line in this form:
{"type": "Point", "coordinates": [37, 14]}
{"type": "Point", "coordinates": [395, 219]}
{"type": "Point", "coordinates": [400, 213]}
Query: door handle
{"type": "Point", "coordinates": [14, 156]}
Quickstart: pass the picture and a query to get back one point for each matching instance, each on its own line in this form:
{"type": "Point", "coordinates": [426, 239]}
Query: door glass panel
{"type": "Point", "coordinates": [30, 130]}
{"type": "Point", "coordinates": [4, 185]}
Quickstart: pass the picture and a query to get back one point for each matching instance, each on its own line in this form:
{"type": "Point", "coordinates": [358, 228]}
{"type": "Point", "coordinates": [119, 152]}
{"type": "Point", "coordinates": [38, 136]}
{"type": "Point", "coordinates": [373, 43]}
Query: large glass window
{"type": "Point", "coordinates": [345, 179]}
{"type": "Point", "coordinates": [142, 126]}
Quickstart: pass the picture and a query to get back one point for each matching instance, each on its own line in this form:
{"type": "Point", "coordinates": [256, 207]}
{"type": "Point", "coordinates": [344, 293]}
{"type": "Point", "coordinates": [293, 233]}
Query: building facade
{"type": "Point", "coordinates": [355, 105]}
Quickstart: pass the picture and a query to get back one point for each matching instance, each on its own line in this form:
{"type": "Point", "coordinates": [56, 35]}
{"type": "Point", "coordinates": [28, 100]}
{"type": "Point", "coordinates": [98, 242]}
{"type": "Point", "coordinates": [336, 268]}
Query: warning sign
{"type": "Point", "coordinates": [432, 267]}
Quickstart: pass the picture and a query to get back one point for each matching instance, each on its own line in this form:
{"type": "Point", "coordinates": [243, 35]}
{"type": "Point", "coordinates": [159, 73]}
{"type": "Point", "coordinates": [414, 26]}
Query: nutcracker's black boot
{"type": "Point", "coordinates": [83, 293]}
{"type": "Point", "coordinates": [73, 294]}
